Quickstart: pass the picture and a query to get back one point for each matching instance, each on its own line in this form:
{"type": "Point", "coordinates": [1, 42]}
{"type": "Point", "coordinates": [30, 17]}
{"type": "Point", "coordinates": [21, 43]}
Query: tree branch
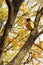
{"type": "Point", "coordinates": [38, 15]}
{"type": "Point", "coordinates": [13, 6]}
{"type": "Point", "coordinates": [18, 58]}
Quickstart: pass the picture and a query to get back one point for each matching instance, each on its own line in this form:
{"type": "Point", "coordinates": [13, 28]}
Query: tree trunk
{"type": "Point", "coordinates": [13, 7]}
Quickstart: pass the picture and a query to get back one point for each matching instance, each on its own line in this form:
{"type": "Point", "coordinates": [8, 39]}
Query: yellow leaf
{"type": "Point", "coordinates": [20, 21]}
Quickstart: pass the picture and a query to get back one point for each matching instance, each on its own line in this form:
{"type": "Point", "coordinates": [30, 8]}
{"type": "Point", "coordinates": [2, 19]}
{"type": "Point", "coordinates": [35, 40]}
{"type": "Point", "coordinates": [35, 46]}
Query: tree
{"type": "Point", "coordinates": [33, 35]}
